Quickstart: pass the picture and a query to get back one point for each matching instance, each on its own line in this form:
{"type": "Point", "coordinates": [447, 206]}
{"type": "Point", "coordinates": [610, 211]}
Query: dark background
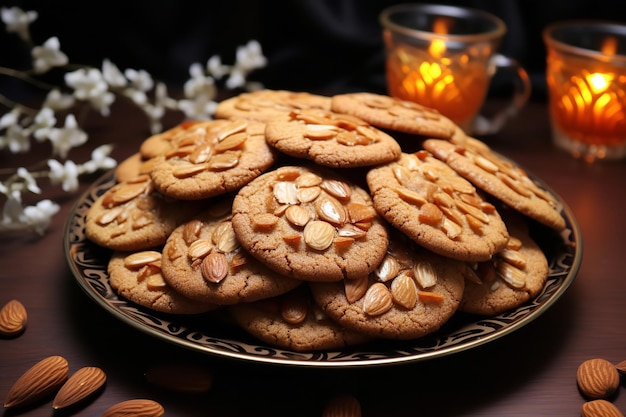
{"type": "Point", "coordinates": [322, 46]}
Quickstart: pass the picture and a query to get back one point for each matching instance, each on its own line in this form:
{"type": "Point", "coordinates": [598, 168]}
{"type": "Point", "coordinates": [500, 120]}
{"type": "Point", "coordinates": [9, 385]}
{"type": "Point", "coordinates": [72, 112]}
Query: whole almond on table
{"type": "Point", "coordinates": [600, 408]}
{"type": "Point", "coordinates": [41, 380]}
{"type": "Point", "coordinates": [13, 318]}
{"type": "Point", "coordinates": [135, 408]}
{"type": "Point", "coordinates": [83, 383]}
{"type": "Point", "coordinates": [597, 378]}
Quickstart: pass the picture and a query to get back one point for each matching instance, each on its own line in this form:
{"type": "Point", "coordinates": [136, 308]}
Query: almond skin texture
{"type": "Point", "coordinates": [41, 380]}
{"type": "Point", "coordinates": [83, 383]}
{"type": "Point", "coordinates": [597, 378]}
{"type": "Point", "coordinates": [13, 318]}
{"type": "Point", "coordinates": [135, 408]}
{"type": "Point", "coordinates": [600, 408]}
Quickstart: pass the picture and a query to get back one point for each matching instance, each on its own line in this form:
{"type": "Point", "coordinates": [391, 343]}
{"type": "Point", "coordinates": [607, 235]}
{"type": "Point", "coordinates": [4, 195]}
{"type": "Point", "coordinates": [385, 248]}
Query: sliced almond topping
{"type": "Point", "coordinates": [294, 308]}
{"type": "Point", "coordinates": [360, 212]}
{"type": "Point", "coordinates": [355, 288]}
{"type": "Point", "coordinates": [285, 192]}
{"type": "Point", "coordinates": [224, 161]}
{"type": "Point", "coordinates": [351, 231]}
{"type": "Point", "coordinates": [109, 215]}
{"type": "Point", "coordinates": [404, 291]}
{"type": "Point", "coordinates": [430, 297]}
{"type": "Point", "coordinates": [378, 300]}
{"type": "Point", "coordinates": [320, 132]}
{"type": "Point", "coordinates": [411, 196]}
{"type": "Point", "coordinates": [138, 259]}
{"type": "Point", "coordinates": [234, 141]}
{"type": "Point", "coordinates": [510, 274]}
{"type": "Point", "coordinates": [308, 179]}
{"type": "Point", "coordinates": [191, 230]}
{"type": "Point", "coordinates": [388, 269]}
{"type": "Point", "coordinates": [214, 267]}
{"type": "Point", "coordinates": [430, 214]}
{"type": "Point", "coordinates": [337, 189]}
{"type": "Point", "coordinates": [297, 215]}
{"type": "Point", "coordinates": [202, 153]}
{"type": "Point", "coordinates": [331, 211]}
{"type": "Point", "coordinates": [319, 235]}
{"type": "Point", "coordinates": [264, 221]}
{"type": "Point", "coordinates": [199, 248]}
{"type": "Point", "coordinates": [188, 170]}
{"type": "Point", "coordinates": [425, 274]}
{"type": "Point", "coordinates": [155, 282]}
{"type": "Point", "coordinates": [308, 194]}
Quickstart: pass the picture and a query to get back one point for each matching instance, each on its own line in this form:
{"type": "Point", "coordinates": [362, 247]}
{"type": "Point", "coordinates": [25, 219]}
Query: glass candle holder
{"type": "Point", "coordinates": [444, 57]}
{"type": "Point", "coordinates": [586, 78]}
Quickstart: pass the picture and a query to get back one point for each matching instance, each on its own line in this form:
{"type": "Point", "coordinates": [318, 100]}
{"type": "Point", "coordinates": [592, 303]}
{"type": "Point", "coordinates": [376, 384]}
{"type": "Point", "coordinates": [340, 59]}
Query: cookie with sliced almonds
{"type": "Point", "coordinates": [513, 276]}
{"type": "Point", "coordinates": [331, 139]}
{"type": "Point", "coordinates": [310, 224]}
{"type": "Point", "coordinates": [263, 105]}
{"type": "Point", "coordinates": [437, 208]}
{"type": "Point", "coordinates": [412, 293]}
{"type": "Point", "coordinates": [207, 162]}
{"type": "Point", "coordinates": [132, 215]}
{"type": "Point", "coordinates": [136, 276]}
{"type": "Point", "coordinates": [499, 177]}
{"type": "Point", "coordinates": [293, 321]}
{"type": "Point", "coordinates": [203, 260]}
{"type": "Point", "coordinates": [395, 114]}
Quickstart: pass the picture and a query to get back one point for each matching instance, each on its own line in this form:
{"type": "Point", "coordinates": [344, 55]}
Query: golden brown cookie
{"type": "Point", "coordinates": [137, 277]}
{"type": "Point", "coordinates": [437, 208]}
{"type": "Point", "coordinates": [515, 275]}
{"type": "Point", "coordinates": [331, 139]}
{"type": "Point", "coordinates": [207, 162]}
{"type": "Point", "coordinates": [307, 223]}
{"type": "Point", "coordinates": [132, 167]}
{"type": "Point", "coordinates": [412, 293]}
{"type": "Point", "coordinates": [499, 177]}
{"type": "Point", "coordinates": [293, 321]}
{"type": "Point", "coordinates": [132, 216]}
{"type": "Point", "coordinates": [203, 260]}
{"type": "Point", "coordinates": [395, 114]}
{"type": "Point", "coordinates": [263, 105]}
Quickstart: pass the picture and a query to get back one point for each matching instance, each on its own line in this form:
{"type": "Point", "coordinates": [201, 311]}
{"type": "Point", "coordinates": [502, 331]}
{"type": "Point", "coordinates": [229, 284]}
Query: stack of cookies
{"type": "Point", "coordinates": [310, 224]}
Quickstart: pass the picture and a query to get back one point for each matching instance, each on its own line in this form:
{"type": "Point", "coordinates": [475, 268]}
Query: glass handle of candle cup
{"type": "Point", "coordinates": [490, 125]}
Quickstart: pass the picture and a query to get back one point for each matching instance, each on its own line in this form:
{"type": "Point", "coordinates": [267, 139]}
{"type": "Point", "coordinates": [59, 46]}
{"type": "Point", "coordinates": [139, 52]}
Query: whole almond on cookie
{"type": "Point", "coordinates": [597, 378]}
{"type": "Point", "coordinates": [42, 379]}
{"type": "Point", "coordinates": [600, 408]}
{"type": "Point", "coordinates": [13, 318]}
{"type": "Point", "coordinates": [136, 408]}
{"type": "Point", "coordinates": [83, 383]}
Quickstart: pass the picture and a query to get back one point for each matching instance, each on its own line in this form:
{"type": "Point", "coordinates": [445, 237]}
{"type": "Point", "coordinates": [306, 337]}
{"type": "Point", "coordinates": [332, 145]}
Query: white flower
{"type": "Point", "coordinates": [141, 80]}
{"type": "Point", "coordinates": [58, 101]}
{"type": "Point", "coordinates": [18, 21]}
{"type": "Point", "coordinates": [38, 217]}
{"type": "Point", "coordinates": [66, 138]}
{"type": "Point", "coordinates": [199, 84]}
{"type": "Point", "coordinates": [161, 98]}
{"type": "Point", "coordinates": [89, 85]}
{"type": "Point", "coordinates": [65, 174]}
{"type": "Point", "coordinates": [44, 122]}
{"type": "Point", "coordinates": [48, 56]}
{"type": "Point", "coordinates": [202, 107]}
{"type": "Point", "coordinates": [10, 118]}
{"type": "Point", "coordinates": [100, 159]}
{"type": "Point", "coordinates": [250, 57]}
{"type": "Point", "coordinates": [29, 180]}
{"type": "Point", "coordinates": [215, 68]}
{"type": "Point", "coordinates": [17, 139]}
{"type": "Point", "coordinates": [112, 74]}
{"type": "Point", "coordinates": [155, 114]}
{"type": "Point", "coordinates": [137, 96]}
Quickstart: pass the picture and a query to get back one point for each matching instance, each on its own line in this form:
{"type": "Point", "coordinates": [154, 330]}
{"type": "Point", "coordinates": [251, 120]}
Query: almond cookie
{"type": "Point", "coordinates": [203, 260]}
{"type": "Point", "coordinates": [206, 162]}
{"type": "Point", "coordinates": [137, 277]}
{"type": "Point", "coordinates": [263, 105]}
{"type": "Point", "coordinates": [306, 223]}
{"type": "Point", "coordinates": [132, 216]}
{"type": "Point", "coordinates": [497, 176]}
{"type": "Point", "coordinates": [331, 139]}
{"type": "Point", "coordinates": [160, 143]}
{"type": "Point", "coordinates": [437, 208]}
{"type": "Point", "coordinates": [132, 167]}
{"type": "Point", "coordinates": [412, 293]}
{"type": "Point", "coordinates": [513, 276]}
{"type": "Point", "coordinates": [395, 114]}
{"type": "Point", "coordinates": [293, 321]}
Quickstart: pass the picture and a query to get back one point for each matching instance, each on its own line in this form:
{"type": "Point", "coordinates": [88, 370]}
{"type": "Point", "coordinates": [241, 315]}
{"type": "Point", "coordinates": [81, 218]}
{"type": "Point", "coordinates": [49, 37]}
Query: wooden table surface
{"type": "Point", "coordinates": [529, 372]}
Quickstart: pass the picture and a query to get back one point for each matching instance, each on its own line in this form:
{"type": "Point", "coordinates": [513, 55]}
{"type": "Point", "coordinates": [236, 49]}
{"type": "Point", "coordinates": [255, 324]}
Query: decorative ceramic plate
{"type": "Point", "coordinates": [88, 263]}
